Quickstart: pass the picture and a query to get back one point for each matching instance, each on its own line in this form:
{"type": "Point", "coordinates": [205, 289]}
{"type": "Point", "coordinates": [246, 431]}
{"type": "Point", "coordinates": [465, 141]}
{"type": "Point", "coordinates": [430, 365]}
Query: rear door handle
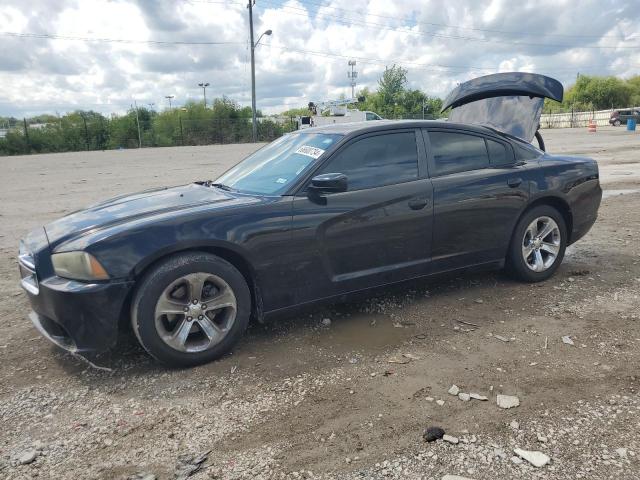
{"type": "Point", "coordinates": [514, 182]}
{"type": "Point", "coordinates": [418, 203]}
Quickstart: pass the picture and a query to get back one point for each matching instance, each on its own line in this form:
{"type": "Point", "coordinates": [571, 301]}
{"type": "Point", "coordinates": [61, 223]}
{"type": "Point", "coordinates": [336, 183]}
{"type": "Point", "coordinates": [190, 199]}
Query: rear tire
{"type": "Point", "coordinates": [537, 245]}
{"type": "Point", "coordinates": [617, 123]}
{"type": "Point", "coordinates": [190, 309]}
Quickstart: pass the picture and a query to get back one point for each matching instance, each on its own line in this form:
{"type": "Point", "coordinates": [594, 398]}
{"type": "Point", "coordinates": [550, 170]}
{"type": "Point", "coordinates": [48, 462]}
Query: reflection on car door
{"type": "Point", "coordinates": [476, 200]}
{"type": "Point", "coordinates": [379, 230]}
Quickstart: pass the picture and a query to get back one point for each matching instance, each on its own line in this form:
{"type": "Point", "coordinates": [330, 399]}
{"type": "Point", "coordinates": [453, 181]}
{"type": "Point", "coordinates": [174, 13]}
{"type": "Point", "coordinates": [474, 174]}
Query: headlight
{"type": "Point", "coordinates": [78, 266]}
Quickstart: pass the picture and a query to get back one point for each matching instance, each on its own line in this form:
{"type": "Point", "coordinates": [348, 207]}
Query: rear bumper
{"type": "Point", "coordinates": [77, 316]}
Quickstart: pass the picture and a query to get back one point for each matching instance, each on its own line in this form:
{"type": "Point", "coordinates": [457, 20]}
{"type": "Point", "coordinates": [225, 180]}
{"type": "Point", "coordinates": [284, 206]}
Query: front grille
{"type": "Point", "coordinates": [28, 275]}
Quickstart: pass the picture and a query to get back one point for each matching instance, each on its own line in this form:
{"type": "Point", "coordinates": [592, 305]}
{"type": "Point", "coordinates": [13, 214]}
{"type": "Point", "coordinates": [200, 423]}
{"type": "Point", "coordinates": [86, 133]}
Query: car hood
{"type": "Point", "coordinates": [510, 102]}
{"type": "Point", "coordinates": [132, 207]}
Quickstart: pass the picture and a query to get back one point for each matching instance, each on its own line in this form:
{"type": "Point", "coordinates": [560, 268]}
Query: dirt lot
{"type": "Point", "coordinates": [298, 399]}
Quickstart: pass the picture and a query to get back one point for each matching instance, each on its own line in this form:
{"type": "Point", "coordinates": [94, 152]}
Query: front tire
{"type": "Point", "coordinates": [191, 309]}
{"type": "Point", "coordinates": [538, 244]}
{"type": "Point", "coordinates": [617, 123]}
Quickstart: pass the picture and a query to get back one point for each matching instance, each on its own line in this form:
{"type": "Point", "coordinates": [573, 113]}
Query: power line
{"type": "Point", "coordinates": [381, 26]}
{"type": "Point", "coordinates": [365, 60]}
{"type": "Point", "coordinates": [416, 65]}
{"type": "Point", "coordinates": [51, 36]}
{"type": "Point", "coordinates": [376, 61]}
{"type": "Point", "coordinates": [457, 27]}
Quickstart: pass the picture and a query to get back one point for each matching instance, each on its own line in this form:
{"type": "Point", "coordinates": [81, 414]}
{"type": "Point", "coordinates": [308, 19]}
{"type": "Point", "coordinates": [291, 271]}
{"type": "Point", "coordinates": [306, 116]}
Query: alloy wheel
{"type": "Point", "coordinates": [541, 244]}
{"type": "Point", "coordinates": [195, 312]}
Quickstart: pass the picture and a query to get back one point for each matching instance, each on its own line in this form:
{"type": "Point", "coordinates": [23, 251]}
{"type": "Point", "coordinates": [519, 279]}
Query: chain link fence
{"type": "Point", "coordinates": [95, 132]}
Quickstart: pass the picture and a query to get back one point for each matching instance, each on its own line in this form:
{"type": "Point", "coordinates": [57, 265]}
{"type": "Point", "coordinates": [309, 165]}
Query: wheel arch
{"type": "Point", "coordinates": [559, 204]}
{"type": "Point", "coordinates": [236, 258]}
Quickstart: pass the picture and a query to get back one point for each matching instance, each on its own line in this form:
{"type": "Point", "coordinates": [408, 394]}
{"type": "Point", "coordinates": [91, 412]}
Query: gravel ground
{"type": "Point", "coordinates": [348, 398]}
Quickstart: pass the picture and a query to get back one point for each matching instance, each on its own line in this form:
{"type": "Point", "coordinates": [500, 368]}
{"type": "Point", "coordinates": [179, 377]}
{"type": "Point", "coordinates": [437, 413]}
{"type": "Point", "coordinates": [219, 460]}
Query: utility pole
{"type": "Point", "coordinates": [254, 125]}
{"type": "Point", "coordinates": [138, 123]}
{"type": "Point", "coordinates": [26, 135]}
{"type": "Point", "coordinates": [86, 130]}
{"type": "Point", "coordinates": [169, 97]}
{"type": "Point", "coordinates": [204, 92]}
{"type": "Point", "coordinates": [352, 75]}
{"type": "Point", "coordinates": [424, 105]}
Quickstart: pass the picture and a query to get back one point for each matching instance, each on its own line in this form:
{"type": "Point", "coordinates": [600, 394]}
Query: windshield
{"type": "Point", "coordinates": [272, 169]}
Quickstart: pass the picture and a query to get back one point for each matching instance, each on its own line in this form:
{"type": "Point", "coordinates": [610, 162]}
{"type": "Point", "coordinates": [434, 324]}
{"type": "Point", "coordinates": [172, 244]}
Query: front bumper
{"type": "Point", "coordinates": [77, 316]}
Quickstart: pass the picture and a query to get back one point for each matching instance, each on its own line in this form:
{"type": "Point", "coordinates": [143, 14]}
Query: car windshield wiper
{"type": "Point", "coordinates": [221, 186]}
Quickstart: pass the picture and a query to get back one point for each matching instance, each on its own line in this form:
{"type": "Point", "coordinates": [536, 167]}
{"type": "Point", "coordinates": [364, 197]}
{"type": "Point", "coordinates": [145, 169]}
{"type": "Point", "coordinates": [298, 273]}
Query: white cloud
{"type": "Point", "coordinates": [441, 43]}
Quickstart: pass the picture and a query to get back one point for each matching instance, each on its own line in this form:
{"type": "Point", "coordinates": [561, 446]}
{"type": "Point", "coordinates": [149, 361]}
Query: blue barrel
{"type": "Point", "coordinates": [631, 124]}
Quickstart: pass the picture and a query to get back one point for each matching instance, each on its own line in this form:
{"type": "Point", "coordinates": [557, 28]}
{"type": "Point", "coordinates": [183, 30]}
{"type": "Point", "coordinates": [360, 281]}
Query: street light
{"type": "Point", "coordinates": [169, 97]}
{"type": "Point", "coordinates": [266, 32]}
{"type": "Point", "coordinates": [254, 126]}
{"type": "Point", "coordinates": [204, 92]}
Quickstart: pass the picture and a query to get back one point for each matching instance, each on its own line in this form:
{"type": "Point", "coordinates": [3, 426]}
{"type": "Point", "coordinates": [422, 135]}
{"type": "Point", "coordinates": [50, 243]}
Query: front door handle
{"type": "Point", "coordinates": [418, 203]}
{"type": "Point", "coordinates": [514, 182]}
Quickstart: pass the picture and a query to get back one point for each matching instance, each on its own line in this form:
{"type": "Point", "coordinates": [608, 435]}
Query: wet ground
{"type": "Point", "coordinates": [299, 399]}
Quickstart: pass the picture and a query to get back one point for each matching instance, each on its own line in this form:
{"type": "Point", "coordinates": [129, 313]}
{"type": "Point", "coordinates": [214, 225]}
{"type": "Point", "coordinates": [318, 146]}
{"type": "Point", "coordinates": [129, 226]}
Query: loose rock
{"type": "Point", "coordinates": [537, 459]}
{"type": "Point", "coordinates": [507, 401]}
{"type": "Point", "coordinates": [622, 452]}
{"type": "Point", "coordinates": [454, 390]}
{"type": "Point", "coordinates": [450, 439]}
{"type": "Point", "coordinates": [399, 360]}
{"type": "Point", "coordinates": [432, 434]}
{"type": "Point", "coordinates": [28, 456]}
{"type": "Point", "coordinates": [188, 465]}
{"type": "Point", "coordinates": [567, 340]}
{"type": "Point", "coordinates": [465, 397]}
{"type": "Point", "coordinates": [477, 396]}
{"type": "Point", "coordinates": [455, 477]}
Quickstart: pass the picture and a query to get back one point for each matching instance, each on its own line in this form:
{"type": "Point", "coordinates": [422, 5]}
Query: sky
{"type": "Point", "coordinates": [104, 55]}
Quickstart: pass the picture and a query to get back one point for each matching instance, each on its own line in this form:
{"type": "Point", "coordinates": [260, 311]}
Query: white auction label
{"type": "Point", "coordinates": [309, 151]}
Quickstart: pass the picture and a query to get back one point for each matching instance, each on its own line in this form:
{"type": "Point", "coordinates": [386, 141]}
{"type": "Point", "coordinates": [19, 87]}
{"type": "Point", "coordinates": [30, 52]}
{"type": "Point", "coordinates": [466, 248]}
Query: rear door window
{"type": "Point", "coordinates": [455, 152]}
{"type": "Point", "coordinates": [499, 153]}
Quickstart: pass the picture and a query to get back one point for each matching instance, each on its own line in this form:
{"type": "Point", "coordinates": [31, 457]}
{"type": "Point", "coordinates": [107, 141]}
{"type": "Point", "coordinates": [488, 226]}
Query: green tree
{"type": "Point", "coordinates": [392, 84]}
{"type": "Point", "coordinates": [598, 93]}
{"type": "Point", "coordinates": [123, 130]}
{"type": "Point", "coordinates": [634, 85]}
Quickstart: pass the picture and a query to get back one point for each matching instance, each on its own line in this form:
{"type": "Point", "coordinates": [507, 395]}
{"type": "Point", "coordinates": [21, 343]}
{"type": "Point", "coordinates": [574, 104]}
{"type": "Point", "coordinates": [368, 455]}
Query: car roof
{"type": "Point", "coordinates": [353, 128]}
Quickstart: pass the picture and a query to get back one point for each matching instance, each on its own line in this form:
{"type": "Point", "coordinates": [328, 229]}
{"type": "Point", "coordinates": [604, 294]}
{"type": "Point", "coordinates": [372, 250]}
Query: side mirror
{"type": "Point", "coordinates": [329, 183]}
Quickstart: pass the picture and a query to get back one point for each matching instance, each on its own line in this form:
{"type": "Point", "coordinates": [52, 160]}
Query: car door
{"type": "Point", "coordinates": [478, 192]}
{"type": "Point", "coordinates": [378, 230]}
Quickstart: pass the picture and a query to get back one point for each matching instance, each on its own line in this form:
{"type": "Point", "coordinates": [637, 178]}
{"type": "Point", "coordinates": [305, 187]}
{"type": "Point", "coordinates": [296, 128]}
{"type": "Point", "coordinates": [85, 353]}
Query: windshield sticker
{"type": "Point", "coordinates": [310, 151]}
{"type": "Point", "coordinates": [281, 180]}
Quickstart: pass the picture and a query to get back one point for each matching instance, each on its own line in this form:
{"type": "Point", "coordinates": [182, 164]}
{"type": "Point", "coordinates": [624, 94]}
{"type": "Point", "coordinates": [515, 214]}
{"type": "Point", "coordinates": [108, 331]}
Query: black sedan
{"type": "Point", "coordinates": [313, 216]}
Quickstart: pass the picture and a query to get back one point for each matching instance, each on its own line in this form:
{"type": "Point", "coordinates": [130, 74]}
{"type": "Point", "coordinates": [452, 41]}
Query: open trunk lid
{"type": "Point", "coordinates": [510, 102]}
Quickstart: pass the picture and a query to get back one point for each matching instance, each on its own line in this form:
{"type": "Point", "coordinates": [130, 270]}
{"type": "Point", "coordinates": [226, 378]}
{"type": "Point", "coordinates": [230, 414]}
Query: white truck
{"type": "Point", "coordinates": [337, 113]}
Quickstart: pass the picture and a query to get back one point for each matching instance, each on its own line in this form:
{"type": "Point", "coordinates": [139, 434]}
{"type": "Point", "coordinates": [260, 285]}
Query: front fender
{"type": "Point", "coordinates": [259, 234]}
